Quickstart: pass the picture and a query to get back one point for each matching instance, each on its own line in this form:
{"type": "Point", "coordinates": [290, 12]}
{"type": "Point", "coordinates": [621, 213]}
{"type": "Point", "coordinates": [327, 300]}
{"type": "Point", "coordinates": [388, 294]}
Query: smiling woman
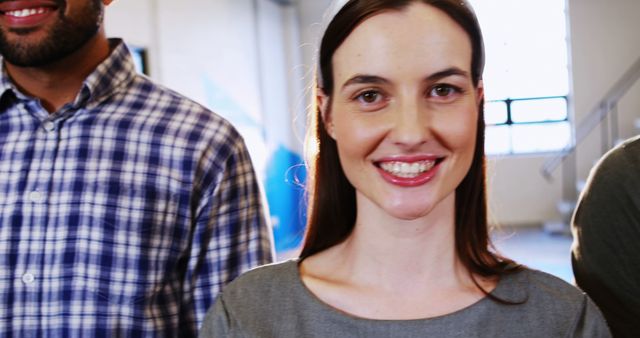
{"type": "Point", "coordinates": [397, 242]}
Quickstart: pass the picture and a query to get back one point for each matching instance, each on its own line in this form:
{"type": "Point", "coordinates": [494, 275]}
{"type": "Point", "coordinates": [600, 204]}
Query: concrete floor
{"type": "Point", "coordinates": [536, 249]}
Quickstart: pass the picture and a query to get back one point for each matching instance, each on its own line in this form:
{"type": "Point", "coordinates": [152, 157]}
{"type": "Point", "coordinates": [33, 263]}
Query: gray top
{"type": "Point", "coordinates": [272, 301]}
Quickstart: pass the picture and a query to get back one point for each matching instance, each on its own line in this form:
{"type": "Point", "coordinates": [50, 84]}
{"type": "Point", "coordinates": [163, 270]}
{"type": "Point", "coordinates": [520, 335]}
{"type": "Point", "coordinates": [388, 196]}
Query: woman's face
{"type": "Point", "coordinates": [404, 110]}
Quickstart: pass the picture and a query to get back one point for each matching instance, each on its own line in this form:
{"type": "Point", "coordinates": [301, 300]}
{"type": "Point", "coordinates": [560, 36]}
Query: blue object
{"type": "Point", "coordinates": [286, 176]}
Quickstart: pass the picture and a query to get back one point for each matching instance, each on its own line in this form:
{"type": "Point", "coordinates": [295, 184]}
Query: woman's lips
{"type": "Point", "coordinates": [409, 173]}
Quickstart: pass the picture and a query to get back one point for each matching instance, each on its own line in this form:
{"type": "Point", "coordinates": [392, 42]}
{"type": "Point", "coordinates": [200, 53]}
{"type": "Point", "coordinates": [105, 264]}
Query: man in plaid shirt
{"type": "Point", "coordinates": [124, 207]}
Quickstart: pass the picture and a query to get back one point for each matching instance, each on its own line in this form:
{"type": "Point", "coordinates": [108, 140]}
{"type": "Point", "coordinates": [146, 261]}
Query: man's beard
{"type": "Point", "coordinates": [67, 35]}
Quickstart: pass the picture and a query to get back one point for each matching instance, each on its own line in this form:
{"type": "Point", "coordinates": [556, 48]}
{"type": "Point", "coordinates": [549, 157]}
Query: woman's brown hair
{"type": "Point", "coordinates": [332, 201]}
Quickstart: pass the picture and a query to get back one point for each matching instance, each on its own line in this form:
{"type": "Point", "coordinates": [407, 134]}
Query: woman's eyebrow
{"type": "Point", "coordinates": [365, 79]}
{"type": "Point", "coordinates": [453, 71]}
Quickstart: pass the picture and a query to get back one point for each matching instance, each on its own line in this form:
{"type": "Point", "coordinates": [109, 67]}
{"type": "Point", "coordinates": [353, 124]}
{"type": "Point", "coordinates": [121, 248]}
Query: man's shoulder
{"type": "Point", "coordinates": [617, 169]}
{"type": "Point", "coordinates": [623, 155]}
{"type": "Point", "coordinates": [162, 96]}
{"type": "Point", "coordinates": [631, 143]}
{"type": "Point", "coordinates": [175, 113]}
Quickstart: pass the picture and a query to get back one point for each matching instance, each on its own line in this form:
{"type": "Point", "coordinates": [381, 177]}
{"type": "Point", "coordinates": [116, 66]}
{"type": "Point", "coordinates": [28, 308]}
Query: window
{"type": "Point", "coordinates": [526, 75]}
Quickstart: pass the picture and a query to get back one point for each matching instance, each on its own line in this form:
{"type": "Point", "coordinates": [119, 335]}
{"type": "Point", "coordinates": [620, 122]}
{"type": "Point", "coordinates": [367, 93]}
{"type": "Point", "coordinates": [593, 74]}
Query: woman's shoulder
{"type": "Point", "coordinates": [529, 286]}
{"type": "Point", "coordinates": [546, 287]}
{"type": "Point", "coordinates": [248, 303]}
{"type": "Point", "coordinates": [270, 281]}
{"type": "Point", "coordinates": [266, 276]}
{"type": "Point", "coordinates": [552, 301]}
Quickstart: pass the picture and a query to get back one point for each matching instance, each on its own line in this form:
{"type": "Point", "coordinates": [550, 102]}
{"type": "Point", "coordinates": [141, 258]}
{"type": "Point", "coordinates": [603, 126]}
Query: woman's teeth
{"type": "Point", "coordinates": [407, 170]}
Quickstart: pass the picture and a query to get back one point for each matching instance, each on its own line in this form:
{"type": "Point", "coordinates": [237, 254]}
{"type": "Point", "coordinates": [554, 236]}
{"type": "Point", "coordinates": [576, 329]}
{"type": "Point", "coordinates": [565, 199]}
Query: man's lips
{"type": "Point", "coordinates": [20, 5]}
{"type": "Point", "coordinates": [25, 14]}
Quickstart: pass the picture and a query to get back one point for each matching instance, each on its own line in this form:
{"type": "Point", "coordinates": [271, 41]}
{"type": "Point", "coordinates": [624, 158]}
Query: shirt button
{"type": "Point", "coordinates": [35, 196]}
{"type": "Point", "coordinates": [49, 126]}
{"type": "Point", "coordinates": [28, 278]}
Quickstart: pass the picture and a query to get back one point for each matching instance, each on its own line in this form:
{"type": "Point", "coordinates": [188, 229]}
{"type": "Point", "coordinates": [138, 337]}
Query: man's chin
{"type": "Point", "coordinates": [25, 38]}
{"type": "Point", "coordinates": [24, 57]}
{"type": "Point", "coordinates": [23, 31]}
{"type": "Point", "coordinates": [28, 50]}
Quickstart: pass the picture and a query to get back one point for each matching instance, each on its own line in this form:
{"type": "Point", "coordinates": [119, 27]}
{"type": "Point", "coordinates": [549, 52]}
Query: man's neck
{"type": "Point", "coordinates": [59, 82]}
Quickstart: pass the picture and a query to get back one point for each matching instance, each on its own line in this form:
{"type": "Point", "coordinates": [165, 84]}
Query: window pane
{"type": "Point", "coordinates": [539, 110]}
{"type": "Point", "coordinates": [495, 112]}
{"type": "Point", "coordinates": [540, 137]}
{"type": "Point", "coordinates": [497, 140]}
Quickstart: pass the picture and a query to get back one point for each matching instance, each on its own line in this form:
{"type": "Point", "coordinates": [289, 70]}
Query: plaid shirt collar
{"type": "Point", "coordinates": [111, 76]}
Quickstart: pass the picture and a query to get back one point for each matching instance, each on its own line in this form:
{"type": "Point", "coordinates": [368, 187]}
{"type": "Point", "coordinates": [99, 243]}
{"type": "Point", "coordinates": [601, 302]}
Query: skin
{"type": "Point", "coordinates": [58, 82]}
{"type": "Point", "coordinates": [414, 99]}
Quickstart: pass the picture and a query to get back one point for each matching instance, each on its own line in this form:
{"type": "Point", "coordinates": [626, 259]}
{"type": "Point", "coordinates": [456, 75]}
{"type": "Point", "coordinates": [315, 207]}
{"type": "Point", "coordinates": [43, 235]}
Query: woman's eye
{"type": "Point", "coordinates": [443, 90]}
{"type": "Point", "coordinates": [369, 97]}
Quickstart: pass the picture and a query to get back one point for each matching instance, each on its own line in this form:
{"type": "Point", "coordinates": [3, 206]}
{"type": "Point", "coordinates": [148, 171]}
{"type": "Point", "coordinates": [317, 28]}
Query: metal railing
{"type": "Point", "coordinates": [607, 105]}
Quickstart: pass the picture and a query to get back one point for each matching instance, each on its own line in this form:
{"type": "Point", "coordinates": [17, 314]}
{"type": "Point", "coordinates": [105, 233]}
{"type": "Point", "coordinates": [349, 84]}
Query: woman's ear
{"type": "Point", "coordinates": [479, 92]}
{"type": "Point", "coordinates": [323, 104]}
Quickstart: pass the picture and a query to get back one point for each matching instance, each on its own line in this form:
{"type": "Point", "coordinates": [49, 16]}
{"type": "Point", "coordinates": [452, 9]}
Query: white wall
{"type": "Point", "coordinates": [133, 19]}
{"type": "Point", "coordinates": [518, 194]}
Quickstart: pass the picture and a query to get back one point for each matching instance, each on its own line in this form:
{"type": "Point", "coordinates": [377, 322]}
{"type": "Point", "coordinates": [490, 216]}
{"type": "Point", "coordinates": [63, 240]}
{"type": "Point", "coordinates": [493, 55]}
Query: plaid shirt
{"type": "Point", "coordinates": [123, 213]}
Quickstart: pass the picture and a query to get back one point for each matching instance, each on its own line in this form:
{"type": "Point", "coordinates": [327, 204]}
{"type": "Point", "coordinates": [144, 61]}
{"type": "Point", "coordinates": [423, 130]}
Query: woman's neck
{"type": "Point", "coordinates": [394, 269]}
{"type": "Point", "coordinates": [398, 251]}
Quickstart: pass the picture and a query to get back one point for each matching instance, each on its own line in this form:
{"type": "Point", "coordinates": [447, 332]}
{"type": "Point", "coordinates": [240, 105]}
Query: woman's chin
{"type": "Point", "coordinates": [409, 213]}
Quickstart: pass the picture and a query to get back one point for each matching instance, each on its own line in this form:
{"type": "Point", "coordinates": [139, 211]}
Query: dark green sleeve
{"type": "Point", "coordinates": [606, 250]}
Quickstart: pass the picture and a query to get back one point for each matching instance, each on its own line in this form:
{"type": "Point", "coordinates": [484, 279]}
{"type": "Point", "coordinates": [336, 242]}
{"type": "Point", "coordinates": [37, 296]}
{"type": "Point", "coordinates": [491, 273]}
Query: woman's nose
{"type": "Point", "coordinates": [411, 125]}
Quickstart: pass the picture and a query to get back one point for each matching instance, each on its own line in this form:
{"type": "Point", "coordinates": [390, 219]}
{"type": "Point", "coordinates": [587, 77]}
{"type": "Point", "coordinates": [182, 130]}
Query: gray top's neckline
{"type": "Point", "coordinates": [272, 301]}
{"type": "Point", "coordinates": [506, 289]}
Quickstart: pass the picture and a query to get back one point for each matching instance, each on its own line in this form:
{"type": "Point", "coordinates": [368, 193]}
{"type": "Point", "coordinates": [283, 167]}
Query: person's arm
{"type": "Point", "coordinates": [231, 234]}
{"type": "Point", "coordinates": [606, 228]}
